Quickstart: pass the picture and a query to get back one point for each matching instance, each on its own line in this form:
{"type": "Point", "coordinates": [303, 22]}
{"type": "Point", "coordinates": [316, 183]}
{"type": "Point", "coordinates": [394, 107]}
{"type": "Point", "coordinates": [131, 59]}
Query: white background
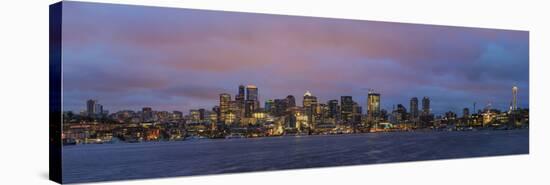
{"type": "Point", "coordinates": [24, 91]}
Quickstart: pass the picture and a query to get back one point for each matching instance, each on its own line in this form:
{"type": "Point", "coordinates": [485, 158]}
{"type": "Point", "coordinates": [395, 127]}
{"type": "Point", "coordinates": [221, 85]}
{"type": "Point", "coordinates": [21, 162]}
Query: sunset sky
{"type": "Point", "coordinates": [129, 57]}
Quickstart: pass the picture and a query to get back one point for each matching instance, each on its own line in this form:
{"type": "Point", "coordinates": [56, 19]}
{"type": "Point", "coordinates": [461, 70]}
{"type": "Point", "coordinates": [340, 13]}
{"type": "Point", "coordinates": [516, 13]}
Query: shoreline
{"type": "Point", "coordinates": [194, 138]}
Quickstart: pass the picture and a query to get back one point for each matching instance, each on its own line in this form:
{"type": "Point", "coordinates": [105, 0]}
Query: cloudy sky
{"type": "Point", "coordinates": [128, 57]}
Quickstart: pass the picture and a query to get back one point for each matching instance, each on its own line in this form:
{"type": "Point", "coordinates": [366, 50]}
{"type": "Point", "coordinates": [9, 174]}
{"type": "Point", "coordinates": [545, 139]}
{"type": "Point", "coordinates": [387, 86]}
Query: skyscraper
{"type": "Point", "coordinates": [321, 111]}
{"type": "Point", "coordinates": [291, 101]}
{"type": "Point", "coordinates": [373, 105]}
{"type": "Point", "coordinates": [269, 105]}
{"type": "Point", "coordinates": [309, 100]}
{"type": "Point", "coordinates": [249, 107]}
{"type": "Point", "coordinates": [401, 112]}
{"type": "Point", "coordinates": [91, 107]}
{"type": "Point", "coordinates": [346, 108]}
{"type": "Point", "coordinates": [98, 109]}
{"type": "Point", "coordinates": [252, 94]}
{"type": "Point", "coordinates": [356, 112]}
{"type": "Point", "coordinates": [414, 108]}
{"type": "Point", "coordinates": [239, 99]}
{"type": "Point", "coordinates": [232, 115]}
{"type": "Point", "coordinates": [333, 109]}
{"type": "Point", "coordinates": [202, 114]}
{"type": "Point", "coordinates": [240, 94]}
{"type": "Point", "coordinates": [426, 118]}
{"type": "Point", "coordinates": [194, 115]}
{"type": "Point", "coordinates": [280, 106]}
{"type": "Point", "coordinates": [225, 100]}
{"type": "Point", "coordinates": [514, 98]}
{"type": "Point", "coordinates": [309, 104]}
{"type": "Point", "coordinates": [426, 105]}
{"type": "Point", "coordinates": [216, 110]}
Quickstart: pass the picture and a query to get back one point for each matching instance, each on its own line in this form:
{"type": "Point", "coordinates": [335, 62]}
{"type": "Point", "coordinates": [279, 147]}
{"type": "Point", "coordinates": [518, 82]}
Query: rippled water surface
{"type": "Point", "coordinates": [86, 163]}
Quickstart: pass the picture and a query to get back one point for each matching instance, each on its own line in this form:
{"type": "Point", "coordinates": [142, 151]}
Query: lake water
{"type": "Point", "coordinates": [100, 162]}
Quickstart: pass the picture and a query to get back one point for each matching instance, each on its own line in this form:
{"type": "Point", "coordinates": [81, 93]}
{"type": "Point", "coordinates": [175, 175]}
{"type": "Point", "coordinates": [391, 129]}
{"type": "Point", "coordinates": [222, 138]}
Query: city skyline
{"type": "Point", "coordinates": [225, 99]}
{"type": "Point", "coordinates": [148, 92]}
{"type": "Point", "coordinates": [176, 66]}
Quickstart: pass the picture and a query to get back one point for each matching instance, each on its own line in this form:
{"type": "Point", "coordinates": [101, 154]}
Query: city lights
{"type": "Point", "coordinates": [244, 117]}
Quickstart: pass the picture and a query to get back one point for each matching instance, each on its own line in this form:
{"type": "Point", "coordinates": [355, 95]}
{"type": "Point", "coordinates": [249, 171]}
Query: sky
{"type": "Point", "coordinates": [129, 57]}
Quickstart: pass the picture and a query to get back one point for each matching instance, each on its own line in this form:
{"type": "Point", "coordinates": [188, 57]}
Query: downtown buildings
{"type": "Point", "coordinates": [94, 109]}
{"type": "Point", "coordinates": [243, 116]}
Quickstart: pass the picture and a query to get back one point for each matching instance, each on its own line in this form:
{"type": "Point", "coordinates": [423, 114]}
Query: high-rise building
{"type": "Point", "coordinates": [356, 112]}
{"type": "Point", "coordinates": [373, 105]}
{"type": "Point", "coordinates": [414, 108]}
{"type": "Point", "coordinates": [216, 110]}
{"type": "Point", "coordinates": [426, 105]}
{"type": "Point", "coordinates": [202, 114]}
{"type": "Point", "coordinates": [280, 106]}
{"type": "Point", "coordinates": [474, 105]}
{"type": "Point", "coordinates": [321, 111]}
{"type": "Point", "coordinates": [98, 109]}
{"type": "Point", "coordinates": [269, 106]}
{"type": "Point", "coordinates": [309, 104]}
{"type": "Point", "coordinates": [309, 100]}
{"type": "Point", "coordinates": [234, 111]}
{"type": "Point", "coordinates": [291, 101]}
{"type": "Point", "coordinates": [514, 98]}
{"type": "Point", "coordinates": [213, 116]}
{"type": "Point", "coordinates": [333, 109]}
{"type": "Point", "coordinates": [194, 115]}
{"type": "Point", "coordinates": [426, 118]}
{"type": "Point", "coordinates": [346, 108]}
{"type": "Point", "coordinates": [239, 99]}
{"type": "Point", "coordinates": [252, 94]}
{"type": "Point", "coordinates": [225, 100]}
{"type": "Point", "coordinates": [401, 112]}
{"type": "Point", "coordinates": [91, 107]}
{"type": "Point", "coordinates": [249, 108]}
{"type": "Point", "coordinates": [241, 93]}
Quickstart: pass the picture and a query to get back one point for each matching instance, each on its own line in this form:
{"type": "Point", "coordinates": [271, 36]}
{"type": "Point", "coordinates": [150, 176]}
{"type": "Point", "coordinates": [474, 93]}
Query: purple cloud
{"type": "Point", "coordinates": [182, 59]}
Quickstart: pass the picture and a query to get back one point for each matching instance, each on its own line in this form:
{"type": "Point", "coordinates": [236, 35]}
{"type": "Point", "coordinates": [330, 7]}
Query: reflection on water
{"type": "Point", "coordinates": [86, 163]}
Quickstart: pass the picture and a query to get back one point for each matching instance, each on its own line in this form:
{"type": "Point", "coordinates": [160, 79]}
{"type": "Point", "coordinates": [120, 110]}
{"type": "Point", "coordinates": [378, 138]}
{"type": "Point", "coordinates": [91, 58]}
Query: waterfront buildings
{"type": "Point", "coordinates": [309, 105]}
{"type": "Point", "coordinates": [333, 109]}
{"type": "Point", "coordinates": [346, 108]}
{"type": "Point", "coordinates": [225, 100]}
{"type": "Point", "coordinates": [94, 109]}
{"type": "Point", "coordinates": [514, 98]}
{"type": "Point", "coordinates": [414, 108]}
{"type": "Point", "coordinates": [426, 105]}
{"type": "Point", "coordinates": [243, 116]}
{"type": "Point", "coordinates": [252, 95]}
{"type": "Point", "coordinates": [269, 105]}
{"type": "Point", "coordinates": [373, 106]}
